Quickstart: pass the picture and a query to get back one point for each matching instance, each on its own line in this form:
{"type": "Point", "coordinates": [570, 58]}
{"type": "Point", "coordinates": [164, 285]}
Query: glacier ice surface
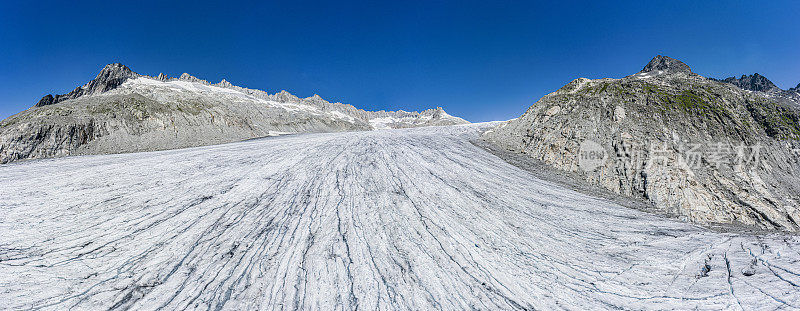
{"type": "Point", "coordinates": [397, 219]}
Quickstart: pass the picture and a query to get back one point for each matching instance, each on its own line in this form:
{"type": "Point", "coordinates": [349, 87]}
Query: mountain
{"type": "Point", "coordinates": [705, 150]}
{"type": "Point", "coordinates": [759, 83]}
{"type": "Point", "coordinates": [123, 111]}
{"type": "Point", "coordinates": [754, 82]}
{"type": "Point", "coordinates": [112, 76]}
{"type": "Point", "coordinates": [661, 64]}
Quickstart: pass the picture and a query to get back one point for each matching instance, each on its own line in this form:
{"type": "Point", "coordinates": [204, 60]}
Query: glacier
{"type": "Point", "coordinates": [407, 219]}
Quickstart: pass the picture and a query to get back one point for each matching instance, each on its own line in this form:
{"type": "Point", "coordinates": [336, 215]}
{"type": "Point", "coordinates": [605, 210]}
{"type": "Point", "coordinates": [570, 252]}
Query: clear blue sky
{"type": "Point", "coordinates": [482, 60]}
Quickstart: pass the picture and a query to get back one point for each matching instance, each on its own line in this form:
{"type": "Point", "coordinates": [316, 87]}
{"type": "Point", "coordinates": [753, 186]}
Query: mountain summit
{"type": "Point", "coordinates": [665, 64]}
{"type": "Point", "coordinates": [112, 76]}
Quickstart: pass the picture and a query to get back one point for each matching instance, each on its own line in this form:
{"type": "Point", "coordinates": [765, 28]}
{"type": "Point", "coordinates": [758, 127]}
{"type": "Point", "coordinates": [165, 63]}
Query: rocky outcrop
{"type": "Point", "coordinates": [707, 151]}
{"type": "Point", "coordinates": [122, 111]}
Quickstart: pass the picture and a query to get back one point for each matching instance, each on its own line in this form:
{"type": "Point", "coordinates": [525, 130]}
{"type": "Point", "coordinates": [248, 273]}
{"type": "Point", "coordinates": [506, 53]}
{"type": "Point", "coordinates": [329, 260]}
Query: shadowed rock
{"type": "Point", "coordinates": [666, 64]}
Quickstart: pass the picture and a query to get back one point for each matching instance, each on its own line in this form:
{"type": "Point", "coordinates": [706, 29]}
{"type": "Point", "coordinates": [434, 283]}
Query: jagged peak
{"type": "Point", "coordinates": [316, 99]}
{"type": "Point", "coordinates": [284, 96]}
{"type": "Point", "coordinates": [187, 77]}
{"type": "Point", "coordinates": [109, 78]}
{"type": "Point", "coordinates": [224, 83]}
{"type": "Point", "coordinates": [754, 82]}
{"type": "Point", "coordinates": [438, 110]}
{"type": "Point", "coordinates": [666, 64]}
{"type": "Point", "coordinates": [435, 112]}
{"type": "Point", "coordinates": [46, 100]}
{"type": "Point", "coordinates": [116, 69]}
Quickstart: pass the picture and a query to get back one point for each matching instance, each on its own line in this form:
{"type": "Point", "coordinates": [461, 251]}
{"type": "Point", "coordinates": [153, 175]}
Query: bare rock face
{"type": "Point", "coordinates": [665, 64]}
{"type": "Point", "coordinates": [122, 111]}
{"type": "Point", "coordinates": [754, 82]}
{"type": "Point", "coordinates": [707, 151]}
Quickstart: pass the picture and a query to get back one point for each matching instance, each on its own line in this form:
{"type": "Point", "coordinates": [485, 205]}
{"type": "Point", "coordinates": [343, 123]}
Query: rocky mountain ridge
{"type": "Point", "coordinates": [123, 111]}
{"type": "Point", "coordinates": [759, 83]}
{"type": "Point", "coordinates": [704, 150]}
{"type": "Point", "coordinates": [754, 82]}
{"type": "Point", "coordinates": [114, 75]}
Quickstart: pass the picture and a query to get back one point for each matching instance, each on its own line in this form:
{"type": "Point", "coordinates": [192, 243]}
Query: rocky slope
{"type": "Point", "coordinates": [708, 151]}
{"type": "Point", "coordinates": [122, 111]}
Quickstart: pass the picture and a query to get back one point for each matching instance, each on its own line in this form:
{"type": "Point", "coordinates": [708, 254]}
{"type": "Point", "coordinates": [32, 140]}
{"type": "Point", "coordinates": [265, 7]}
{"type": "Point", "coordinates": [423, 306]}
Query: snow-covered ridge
{"type": "Point", "coordinates": [118, 76]}
{"type": "Point", "coordinates": [378, 119]}
{"type": "Point", "coordinates": [123, 111]}
{"type": "Point", "coordinates": [174, 89]}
